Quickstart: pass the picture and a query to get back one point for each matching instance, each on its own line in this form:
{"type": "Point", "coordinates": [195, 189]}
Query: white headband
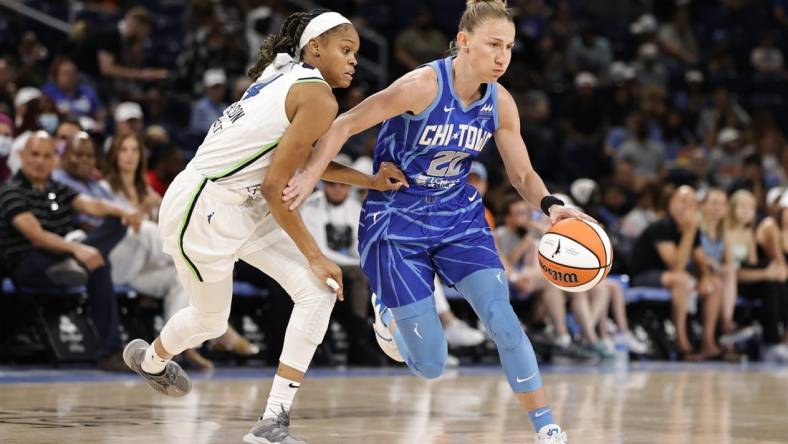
{"type": "Point", "coordinates": [319, 25]}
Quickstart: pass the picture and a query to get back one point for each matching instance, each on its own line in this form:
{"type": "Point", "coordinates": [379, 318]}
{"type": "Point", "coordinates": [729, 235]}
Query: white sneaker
{"type": "Point", "coordinates": [460, 334]}
{"type": "Point", "coordinates": [452, 361]}
{"type": "Point", "coordinates": [383, 336]}
{"type": "Point", "coordinates": [635, 345]}
{"type": "Point", "coordinates": [740, 335]}
{"type": "Point", "coordinates": [551, 434]}
{"type": "Point", "coordinates": [775, 353]}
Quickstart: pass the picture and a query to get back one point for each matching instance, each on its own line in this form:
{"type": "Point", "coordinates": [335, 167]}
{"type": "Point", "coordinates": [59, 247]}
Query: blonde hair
{"type": "Point", "coordinates": [735, 200]}
{"type": "Point", "coordinates": [721, 223]}
{"type": "Point", "coordinates": [477, 11]}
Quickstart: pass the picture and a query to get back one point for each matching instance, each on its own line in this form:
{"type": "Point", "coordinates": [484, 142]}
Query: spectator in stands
{"type": "Point", "coordinates": [677, 39]}
{"type": "Point", "coordinates": [649, 69]}
{"type": "Point", "coordinates": [665, 255]}
{"type": "Point", "coordinates": [128, 119]}
{"type": "Point", "coordinates": [31, 60]}
{"type": "Point", "coordinates": [725, 161]}
{"type": "Point", "coordinates": [752, 179]}
{"type": "Point", "coordinates": [770, 145]}
{"type": "Point", "coordinates": [584, 127]}
{"type": "Point", "coordinates": [66, 130]}
{"type": "Point", "coordinates": [645, 153]}
{"type": "Point", "coordinates": [420, 43]}
{"type": "Point", "coordinates": [693, 99]}
{"type": "Point", "coordinates": [543, 137]}
{"type": "Point", "coordinates": [678, 138]}
{"type": "Point", "coordinates": [7, 87]}
{"type": "Point", "coordinates": [206, 110]}
{"type": "Point", "coordinates": [28, 106]}
{"type": "Point", "coordinates": [723, 112]}
{"type": "Point", "coordinates": [609, 296]}
{"type": "Point", "coordinates": [589, 51]}
{"type": "Point", "coordinates": [214, 45]}
{"type": "Point", "coordinates": [767, 59]}
{"type": "Point", "coordinates": [72, 97]}
{"type": "Point", "coordinates": [761, 270]}
{"type": "Point", "coordinates": [6, 140]}
{"type": "Point", "coordinates": [331, 215]}
{"type": "Point", "coordinates": [166, 162]}
{"type": "Point", "coordinates": [622, 77]}
{"type": "Point", "coordinates": [38, 243]}
{"type": "Point", "coordinates": [645, 28]}
{"type": "Point", "coordinates": [77, 166]}
{"type": "Point", "coordinates": [644, 213]}
{"type": "Point", "coordinates": [715, 239]}
{"type": "Point", "coordinates": [100, 50]}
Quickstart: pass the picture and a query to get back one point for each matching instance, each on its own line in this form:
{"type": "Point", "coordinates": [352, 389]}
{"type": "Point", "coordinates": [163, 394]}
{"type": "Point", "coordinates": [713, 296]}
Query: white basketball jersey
{"type": "Point", "coordinates": [237, 150]}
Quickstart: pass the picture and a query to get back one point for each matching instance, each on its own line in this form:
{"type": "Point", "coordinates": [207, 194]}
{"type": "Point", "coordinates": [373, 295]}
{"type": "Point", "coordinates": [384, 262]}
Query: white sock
{"type": "Point", "coordinates": [153, 364]}
{"type": "Point", "coordinates": [283, 391]}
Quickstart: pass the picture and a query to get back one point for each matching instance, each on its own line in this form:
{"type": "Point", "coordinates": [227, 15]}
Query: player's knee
{"type": "Point", "coordinates": [503, 325]}
{"type": "Point", "coordinates": [312, 312]}
{"type": "Point", "coordinates": [430, 369]}
{"type": "Point", "coordinates": [212, 325]}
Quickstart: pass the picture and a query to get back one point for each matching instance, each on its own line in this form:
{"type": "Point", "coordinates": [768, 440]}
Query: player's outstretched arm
{"type": "Point", "coordinates": [311, 108]}
{"type": "Point", "coordinates": [412, 92]}
{"type": "Point", "coordinates": [388, 177]}
{"type": "Point", "coordinates": [514, 153]}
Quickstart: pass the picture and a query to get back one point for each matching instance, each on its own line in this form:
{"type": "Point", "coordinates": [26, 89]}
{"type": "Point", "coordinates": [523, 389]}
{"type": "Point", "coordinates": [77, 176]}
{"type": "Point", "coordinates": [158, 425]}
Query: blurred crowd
{"type": "Point", "coordinates": [664, 120]}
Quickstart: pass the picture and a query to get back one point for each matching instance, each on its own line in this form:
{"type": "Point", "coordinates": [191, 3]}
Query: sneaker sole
{"type": "Point", "coordinates": [172, 391]}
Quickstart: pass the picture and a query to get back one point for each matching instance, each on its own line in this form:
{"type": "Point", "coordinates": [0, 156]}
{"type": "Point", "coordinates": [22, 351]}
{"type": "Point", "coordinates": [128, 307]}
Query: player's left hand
{"type": "Point", "coordinates": [388, 178]}
{"type": "Point", "coordinates": [560, 212]}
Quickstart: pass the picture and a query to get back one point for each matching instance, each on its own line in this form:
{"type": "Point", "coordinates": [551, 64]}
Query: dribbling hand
{"type": "Point", "coordinates": [560, 212]}
{"type": "Point", "coordinates": [324, 269]}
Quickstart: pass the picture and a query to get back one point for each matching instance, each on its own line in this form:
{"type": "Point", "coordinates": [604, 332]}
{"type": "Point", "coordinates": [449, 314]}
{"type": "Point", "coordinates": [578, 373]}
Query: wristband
{"type": "Point", "coordinates": [548, 201]}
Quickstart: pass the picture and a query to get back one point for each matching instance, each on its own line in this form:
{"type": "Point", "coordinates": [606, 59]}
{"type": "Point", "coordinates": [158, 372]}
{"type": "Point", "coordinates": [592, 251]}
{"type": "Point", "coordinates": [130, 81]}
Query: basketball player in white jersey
{"type": "Point", "coordinates": [226, 206]}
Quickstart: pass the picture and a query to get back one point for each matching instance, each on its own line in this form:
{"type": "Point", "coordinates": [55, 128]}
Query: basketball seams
{"type": "Point", "coordinates": [572, 266]}
{"type": "Point", "coordinates": [593, 239]}
{"type": "Point", "coordinates": [578, 243]}
{"type": "Point", "coordinates": [606, 246]}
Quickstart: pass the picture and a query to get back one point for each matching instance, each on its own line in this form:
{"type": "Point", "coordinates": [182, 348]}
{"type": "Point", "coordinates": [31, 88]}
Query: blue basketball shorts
{"type": "Point", "coordinates": [404, 239]}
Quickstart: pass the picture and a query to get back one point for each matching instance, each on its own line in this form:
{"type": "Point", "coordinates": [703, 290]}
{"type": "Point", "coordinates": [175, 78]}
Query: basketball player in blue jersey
{"type": "Point", "coordinates": [436, 119]}
{"type": "Point", "coordinates": [225, 205]}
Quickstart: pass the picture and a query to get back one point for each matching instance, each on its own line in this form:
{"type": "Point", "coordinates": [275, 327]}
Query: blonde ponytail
{"type": "Point", "coordinates": [477, 11]}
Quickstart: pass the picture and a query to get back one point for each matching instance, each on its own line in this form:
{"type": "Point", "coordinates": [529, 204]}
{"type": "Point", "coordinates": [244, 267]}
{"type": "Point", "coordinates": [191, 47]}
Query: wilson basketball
{"type": "Point", "coordinates": [575, 255]}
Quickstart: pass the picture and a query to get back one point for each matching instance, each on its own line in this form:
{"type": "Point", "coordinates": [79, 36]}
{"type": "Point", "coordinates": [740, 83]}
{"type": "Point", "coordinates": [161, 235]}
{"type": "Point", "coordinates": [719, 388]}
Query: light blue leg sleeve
{"type": "Point", "coordinates": [488, 293]}
{"type": "Point", "coordinates": [420, 338]}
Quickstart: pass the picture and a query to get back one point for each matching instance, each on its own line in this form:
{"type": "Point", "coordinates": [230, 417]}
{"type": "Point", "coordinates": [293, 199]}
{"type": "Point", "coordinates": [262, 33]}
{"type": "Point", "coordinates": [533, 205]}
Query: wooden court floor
{"type": "Point", "coordinates": [666, 404]}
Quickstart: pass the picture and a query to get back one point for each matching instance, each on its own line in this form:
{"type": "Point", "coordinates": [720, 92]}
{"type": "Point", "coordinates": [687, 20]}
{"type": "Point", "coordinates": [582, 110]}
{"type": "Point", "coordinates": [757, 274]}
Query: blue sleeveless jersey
{"type": "Point", "coordinates": [436, 225]}
{"type": "Point", "coordinates": [435, 148]}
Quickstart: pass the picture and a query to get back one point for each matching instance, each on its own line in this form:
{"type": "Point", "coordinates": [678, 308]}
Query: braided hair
{"type": "Point", "coordinates": [285, 41]}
